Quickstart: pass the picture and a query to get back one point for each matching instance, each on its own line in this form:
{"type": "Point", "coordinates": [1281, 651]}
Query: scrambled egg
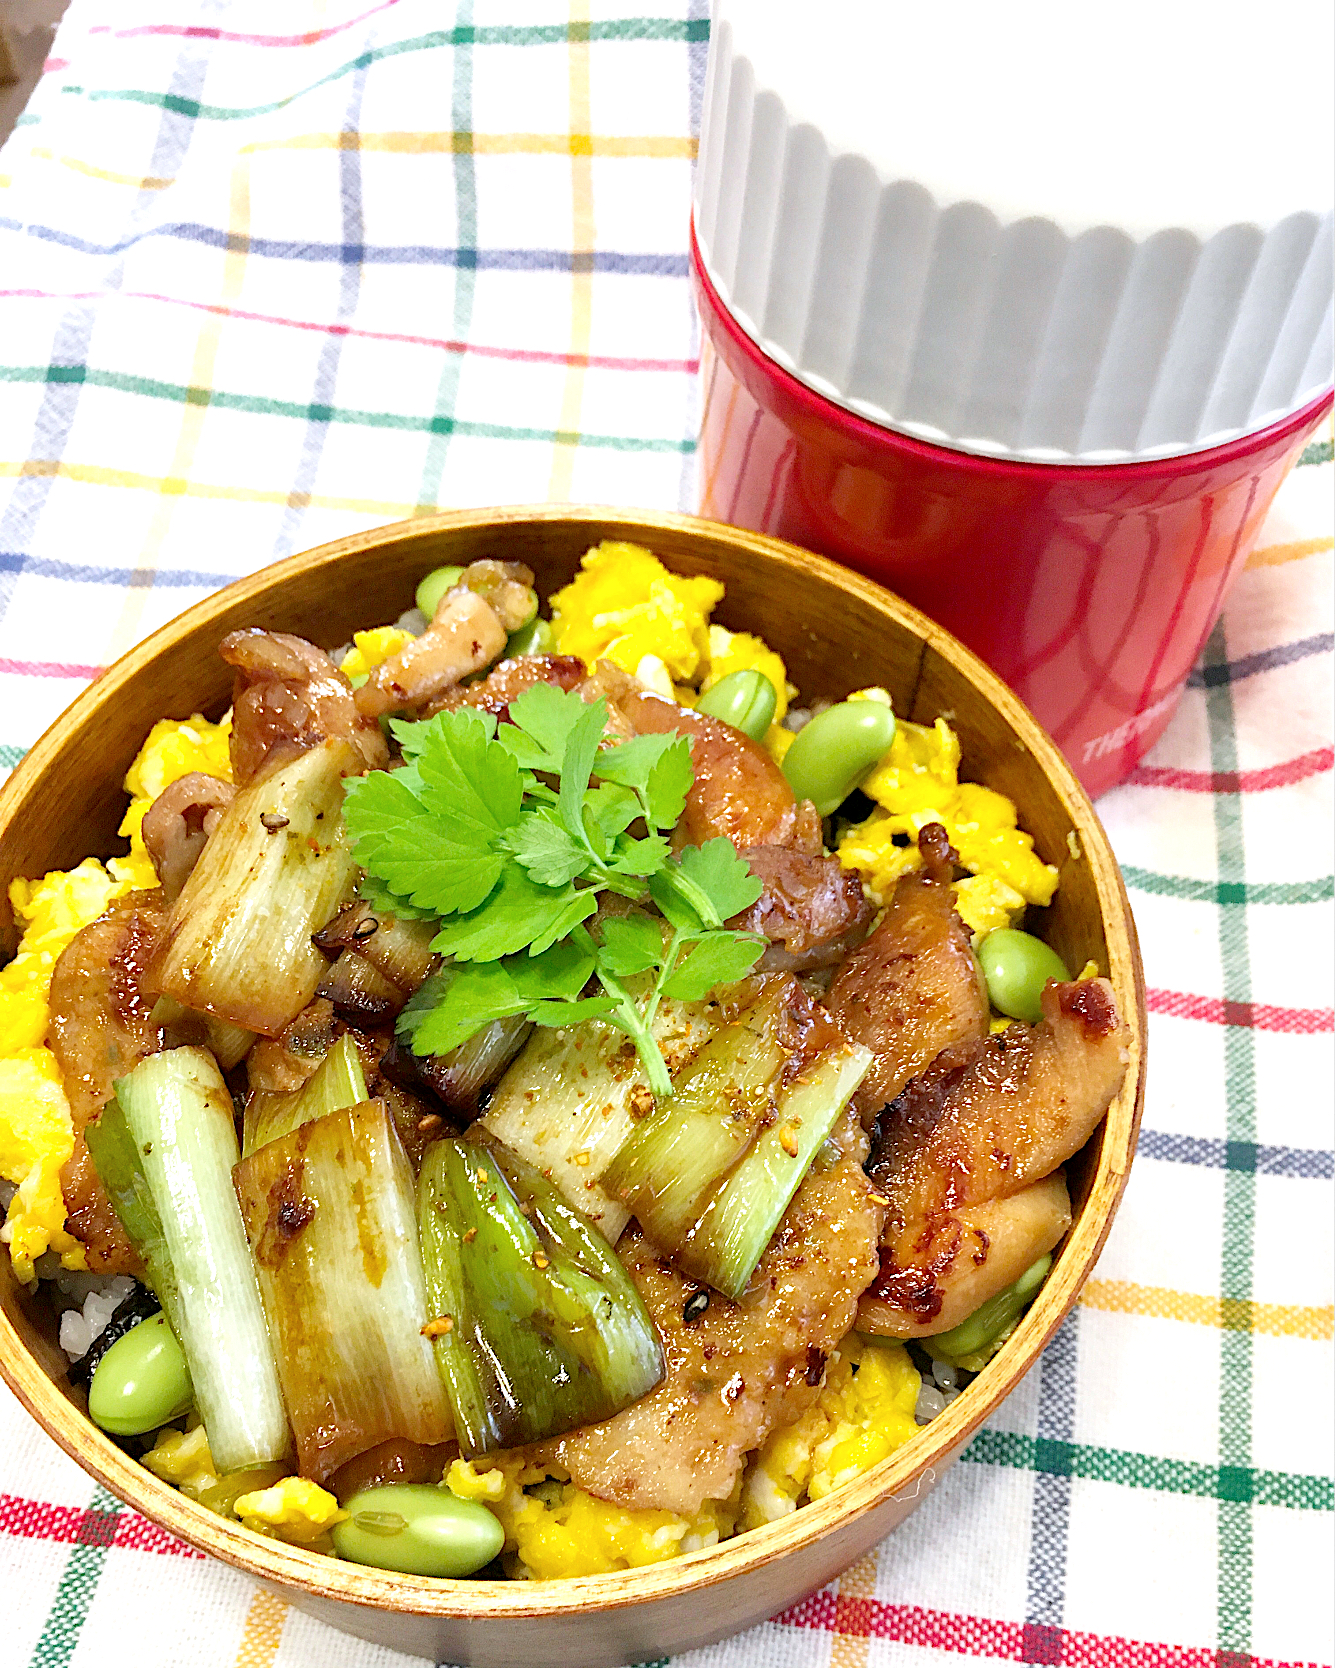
{"type": "Point", "coordinates": [554, 1529]}
{"type": "Point", "coordinates": [624, 605]}
{"type": "Point", "coordinates": [372, 648]}
{"type": "Point", "coordinates": [36, 1134]}
{"type": "Point", "coordinates": [917, 782]}
{"type": "Point", "coordinates": [292, 1509]}
{"type": "Point", "coordinates": [183, 1459]}
{"type": "Point", "coordinates": [864, 1412]}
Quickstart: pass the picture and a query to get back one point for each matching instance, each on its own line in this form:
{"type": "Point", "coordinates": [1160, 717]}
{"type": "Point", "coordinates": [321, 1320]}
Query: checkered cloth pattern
{"type": "Point", "coordinates": [277, 272]}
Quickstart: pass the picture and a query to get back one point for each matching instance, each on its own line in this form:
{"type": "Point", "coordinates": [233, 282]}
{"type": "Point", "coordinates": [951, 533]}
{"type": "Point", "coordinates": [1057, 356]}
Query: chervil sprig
{"type": "Point", "coordinates": [508, 834]}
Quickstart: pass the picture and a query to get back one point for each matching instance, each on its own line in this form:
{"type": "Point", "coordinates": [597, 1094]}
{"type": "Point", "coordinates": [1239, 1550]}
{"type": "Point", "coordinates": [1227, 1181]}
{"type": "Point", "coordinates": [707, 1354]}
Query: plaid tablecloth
{"type": "Point", "coordinates": [275, 272]}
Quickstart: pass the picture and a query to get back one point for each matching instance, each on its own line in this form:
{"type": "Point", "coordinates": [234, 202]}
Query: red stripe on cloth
{"type": "Point", "coordinates": [1250, 1016]}
{"type": "Point", "coordinates": [142, 1536]}
{"type": "Point", "coordinates": [943, 1630]}
{"type": "Point", "coordinates": [49, 669]}
{"type": "Point", "coordinates": [1236, 781]}
{"type": "Point", "coordinates": [196, 32]}
{"type": "Point", "coordinates": [36, 1520]}
{"type": "Point", "coordinates": [527, 356]}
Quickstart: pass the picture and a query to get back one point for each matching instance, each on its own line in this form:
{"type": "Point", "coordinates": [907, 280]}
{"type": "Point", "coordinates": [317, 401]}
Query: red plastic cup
{"type": "Point", "coordinates": [1091, 589]}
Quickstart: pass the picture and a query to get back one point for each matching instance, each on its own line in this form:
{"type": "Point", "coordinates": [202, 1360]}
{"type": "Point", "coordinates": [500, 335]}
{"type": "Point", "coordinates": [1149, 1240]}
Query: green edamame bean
{"type": "Point", "coordinates": [986, 1324]}
{"type": "Point", "coordinates": [431, 589]}
{"type": "Point", "coordinates": [533, 638]}
{"type": "Point", "coordinates": [417, 1529]}
{"type": "Point", "coordinates": [746, 700]}
{"type": "Point", "coordinates": [1016, 966]}
{"type": "Point", "coordinates": [837, 751]}
{"type": "Point", "coordinates": [141, 1382]}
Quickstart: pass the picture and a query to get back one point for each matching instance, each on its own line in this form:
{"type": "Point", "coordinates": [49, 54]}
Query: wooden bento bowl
{"type": "Point", "coordinates": [836, 632]}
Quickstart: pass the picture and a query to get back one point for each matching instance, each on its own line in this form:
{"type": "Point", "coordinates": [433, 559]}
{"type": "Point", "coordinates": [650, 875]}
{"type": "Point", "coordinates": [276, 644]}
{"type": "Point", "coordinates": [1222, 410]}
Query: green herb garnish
{"type": "Point", "coordinates": [509, 833]}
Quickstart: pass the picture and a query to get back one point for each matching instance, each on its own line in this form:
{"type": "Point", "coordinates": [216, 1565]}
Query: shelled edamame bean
{"type": "Point", "coordinates": [986, 1324]}
{"type": "Point", "coordinates": [431, 589]}
{"type": "Point", "coordinates": [837, 751]}
{"type": "Point", "coordinates": [744, 699]}
{"type": "Point", "coordinates": [533, 638]}
{"type": "Point", "coordinates": [419, 1530]}
{"type": "Point", "coordinates": [141, 1382]}
{"type": "Point", "coordinates": [1016, 966]}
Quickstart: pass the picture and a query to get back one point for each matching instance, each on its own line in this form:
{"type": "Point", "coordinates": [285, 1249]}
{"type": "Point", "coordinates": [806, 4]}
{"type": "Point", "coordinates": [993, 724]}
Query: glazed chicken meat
{"type": "Point", "coordinates": [512, 1083]}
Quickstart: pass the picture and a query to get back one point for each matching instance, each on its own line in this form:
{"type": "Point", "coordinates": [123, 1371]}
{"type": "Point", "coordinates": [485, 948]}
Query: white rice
{"type": "Point", "coordinates": [80, 1327]}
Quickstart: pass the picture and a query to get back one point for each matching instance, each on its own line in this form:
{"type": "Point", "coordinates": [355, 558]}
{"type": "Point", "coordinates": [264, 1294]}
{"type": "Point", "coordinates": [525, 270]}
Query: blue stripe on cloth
{"type": "Point", "coordinates": [1232, 671]}
{"type": "Point", "coordinates": [331, 347]}
{"type": "Point", "coordinates": [1305, 1163]}
{"type": "Point", "coordinates": [73, 337]}
{"type": "Point", "coordinates": [1050, 1517]}
{"type": "Point", "coordinates": [375, 254]}
{"type": "Point", "coordinates": [85, 573]}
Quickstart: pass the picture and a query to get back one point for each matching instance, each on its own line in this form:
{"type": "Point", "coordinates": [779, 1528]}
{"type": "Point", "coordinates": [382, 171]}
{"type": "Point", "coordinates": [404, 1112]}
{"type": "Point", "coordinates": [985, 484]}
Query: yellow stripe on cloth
{"type": "Point", "coordinates": [577, 143]}
{"type": "Point", "coordinates": [1276, 1320]}
{"type": "Point", "coordinates": [263, 1631]}
{"type": "Point", "coordinates": [1275, 555]}
{"type": "Point", "coordinates": [141, 182]}
{"type": "Point", "coordinates": [95, 474]}
{"type": "Point", "coordinates": [858, 1584]}
{"type": "Point", "coordinates": [192, 418]}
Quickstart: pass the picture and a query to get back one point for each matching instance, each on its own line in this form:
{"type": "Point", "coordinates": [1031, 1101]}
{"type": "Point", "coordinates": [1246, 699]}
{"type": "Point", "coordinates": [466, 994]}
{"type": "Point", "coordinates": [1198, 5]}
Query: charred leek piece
{"type": "Point", "coordinates": [537, 1326]}
{"type": "Point", "coordinates": [740, 1219]}
{"type": "Point", "coordinates": [570, 1099]}
{"type": "Point", "coordinates": [331, 1217]}
{"type": "Point", "coordinates": [238, 943]}
{"type": "Point", "coordinates": [228, 1044]}
{"type": "Point", "coordinates": [360, 991]}
{"type": "Point", "coordinates": [665, 1171]}
{"type": "Point", "coordinates": [337, 1082]}
{"type": "Point", "coordinates": [165, 1148]}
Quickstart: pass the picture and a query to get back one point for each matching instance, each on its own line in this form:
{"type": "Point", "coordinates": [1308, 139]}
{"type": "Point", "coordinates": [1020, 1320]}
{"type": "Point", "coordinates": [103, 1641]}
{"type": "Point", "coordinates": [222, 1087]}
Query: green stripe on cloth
{"type": "Point", "coordinates": [305, 411]}
{"type": "Point", "coordinates": [1320, 451]}
{"type": "Point", "coordinates": [83, 1570]}
{"type": "Point", "coordinates": [1123, 1466]}
{"type": "Point", "coordinates": [465, 274]}
{"type": "Point", "coordinates": [1319, 890]}
{"type": "Point", "coordinates": [618, 29]}
{"type": "Point", "coordinates": [1235, 1551]}
{"type": "Point", "coordinates": [10, 756]}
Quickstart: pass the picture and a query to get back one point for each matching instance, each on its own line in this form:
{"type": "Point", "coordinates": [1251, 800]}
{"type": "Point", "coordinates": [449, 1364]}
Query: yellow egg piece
{"type": "Point", "coordinates": [372, 648]}
{"type": "Point", "coordinates": [293, 1509]}
{"type": "Point", "coordinates": [624, 604]}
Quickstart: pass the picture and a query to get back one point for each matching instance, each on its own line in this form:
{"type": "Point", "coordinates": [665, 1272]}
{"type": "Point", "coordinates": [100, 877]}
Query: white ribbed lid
{"type": "Point", "coordinates": [1044, 229]}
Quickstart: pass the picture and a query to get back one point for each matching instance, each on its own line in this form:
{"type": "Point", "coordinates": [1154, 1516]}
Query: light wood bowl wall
{"type": "Point", "coordinates": [837, 632]}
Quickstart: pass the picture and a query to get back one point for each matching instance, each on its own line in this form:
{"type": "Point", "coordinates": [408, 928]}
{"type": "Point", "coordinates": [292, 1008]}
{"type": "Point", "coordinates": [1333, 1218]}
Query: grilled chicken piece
{"type": "Point", "coordinates": [915, 986]}
{"type": "Point", "coordinates": [812, 909]}
{"type": "Point", "coordinates": [984, 1123]}
{"type": "Point", "coordinates": [509, 680]}
{"type": "Point", "coordinates": [288, 697]}
{"type": "Point", "coordinates": [179, 821]}
{"type": "Point", "coordinates": [101, 1028]}
{"type": "Point", "coordinates": [467, 632]}
{"type": "Point", "coordinates": [738, 789]}
{"type": "Point", "coordinates": [937, 1270]}
{"type": "Point", "coordinates": [741, 1370]}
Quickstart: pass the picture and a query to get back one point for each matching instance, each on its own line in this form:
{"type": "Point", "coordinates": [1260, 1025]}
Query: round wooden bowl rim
{"type": "Point", "coordinates": [906, 1472]}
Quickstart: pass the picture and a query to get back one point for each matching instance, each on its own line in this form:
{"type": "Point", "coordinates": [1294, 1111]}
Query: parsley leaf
{"type": "Point", "coordinates": [506, 835]}
{"type": "Point", "coordinates": [458, 1002]}
{"type": "Point", "coordinates": [520, 914]}
{"type": "Point", "coordinates": [657, 769]}
{"type": "Point", "coordinates": [631, 945]}
{"type": "Point", "coordinates": [716, 960]}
